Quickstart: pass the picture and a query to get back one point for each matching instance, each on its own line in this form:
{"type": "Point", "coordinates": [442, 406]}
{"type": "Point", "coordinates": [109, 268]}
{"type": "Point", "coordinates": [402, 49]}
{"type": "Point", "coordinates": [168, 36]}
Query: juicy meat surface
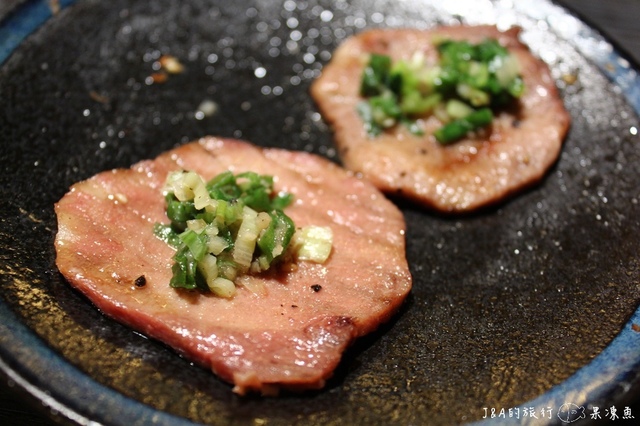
{"type": "Point", "coordinates": [515, 153]}
{"type": "Point", "coordinates": [278, 331]}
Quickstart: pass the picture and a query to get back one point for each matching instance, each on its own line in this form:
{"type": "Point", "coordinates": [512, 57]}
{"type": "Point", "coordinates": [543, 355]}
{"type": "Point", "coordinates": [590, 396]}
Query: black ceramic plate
{"type": "Point", "coordinates": [525, 309]}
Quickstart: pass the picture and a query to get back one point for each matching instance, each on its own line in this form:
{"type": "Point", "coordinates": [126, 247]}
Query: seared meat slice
{"type": "Point", "coordinates": [285, 331]}
{"type": "Point", "coordinates": [483, 169]}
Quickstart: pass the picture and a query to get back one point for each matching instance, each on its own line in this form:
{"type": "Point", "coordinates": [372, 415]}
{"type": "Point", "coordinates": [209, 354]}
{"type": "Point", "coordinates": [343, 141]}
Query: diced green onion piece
{"type": "Point", "coordinates": [183, 184]}
{"type": "Point", "coordinates": [475, 97]}
{"type": "Point", "coordinates": [246, 239]}
{"type": "Point", "coordinates": [457, 109]}
{"type": "Point", "coordinates": [375, 75]}
{"type": "Point", "coordinates": [506, 69]}
{"type": "Point", "coordinates": [195, 243]}
{"type": "Point", "coordinates": [478, 74]}
{"type": "Point", "coordinates": [196, 225]}
{"type": "Point", "coordinates": [217, 244]}
{"type": "Point", "coordinates": [313, 243]}
{"type": "Point", "coordinates": [223, 287]}
{"type": "Point", "coordinates": [184, 270]}
{"type": "Point", "coordinates": [459, 128]}
{"type": "Point", "coordinates": [257, 189]}
{"type": "Point", "coordinates": [227, 268]}
{"type": "Point", "coordinates": [166, 234]}
{"type": "Point", "coordinates": [415, 103]}
{"type": "Point", "coordinates": [516, 88]}
{"type": "Point", "coordinates": [208, 267]}
{"type": "Point", "coordinates": [179, 211]}
{"type": "Point", "coordinates": [276, 237]}
{"type": "Point", "coordinates": [366, 114]}
{"type": "Point", "coordinates": [281, 200]}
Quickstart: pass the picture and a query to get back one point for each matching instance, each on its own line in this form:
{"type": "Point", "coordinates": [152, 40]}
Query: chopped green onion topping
{"type": "Point", "coordinates": [230, 226]}
{"type": "Point", "coordinates": [464, 90]}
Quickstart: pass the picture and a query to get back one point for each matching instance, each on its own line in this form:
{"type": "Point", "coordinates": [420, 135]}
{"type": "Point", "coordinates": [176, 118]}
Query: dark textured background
{"type": "Point", "coordinates": [616, 18]}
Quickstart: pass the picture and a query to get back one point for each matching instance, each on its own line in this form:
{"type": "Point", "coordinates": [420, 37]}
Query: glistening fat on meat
{"type": "Point", "coordinates": [278, 332]}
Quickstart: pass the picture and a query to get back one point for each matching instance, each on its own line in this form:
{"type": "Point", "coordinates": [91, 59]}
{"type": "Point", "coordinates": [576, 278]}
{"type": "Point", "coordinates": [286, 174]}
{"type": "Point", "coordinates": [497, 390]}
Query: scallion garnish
{"type": "Point", "coordinates": [469, 83]}
{"type": "Point", "coordinates": [229, 226]}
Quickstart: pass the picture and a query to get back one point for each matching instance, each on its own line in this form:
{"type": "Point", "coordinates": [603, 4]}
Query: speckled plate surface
{"type": "Point", "coordinates": [529, 306]}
